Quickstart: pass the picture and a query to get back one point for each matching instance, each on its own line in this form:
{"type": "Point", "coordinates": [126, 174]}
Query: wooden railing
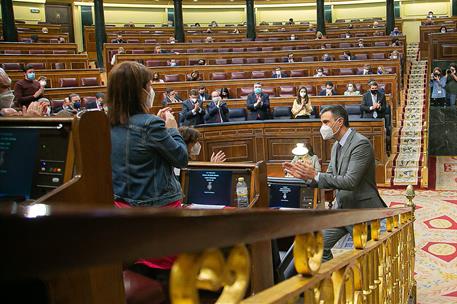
{"type": "Point", "coordinates": [74, 241]}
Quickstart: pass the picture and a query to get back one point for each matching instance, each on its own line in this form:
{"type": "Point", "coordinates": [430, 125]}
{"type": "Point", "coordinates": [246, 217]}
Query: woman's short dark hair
{"type": "Point", "coordinates": [190, 135]}
{"type": "Point", "coordinates": [126, 84]}
{"type": "Point", "coordinates": [225, 90]}
{"type": "Point", "coordinates": [337, 111]}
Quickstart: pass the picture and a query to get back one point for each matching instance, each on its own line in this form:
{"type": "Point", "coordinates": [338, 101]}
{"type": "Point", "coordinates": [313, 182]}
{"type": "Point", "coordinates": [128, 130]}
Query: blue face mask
{"type": "Point", "coordinates": [77, 105]}
{"type": "Point", "coordinates": [31, 76]}
{"type": "Point", "coordinates": [258, 90]}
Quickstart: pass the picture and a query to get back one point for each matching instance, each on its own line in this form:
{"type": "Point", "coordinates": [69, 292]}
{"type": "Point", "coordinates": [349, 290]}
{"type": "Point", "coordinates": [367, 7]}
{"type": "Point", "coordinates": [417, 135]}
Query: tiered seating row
{"type": "Point", "coordinates": [257, 71]}
{"type": "Point", "coordinates": [64, 78]}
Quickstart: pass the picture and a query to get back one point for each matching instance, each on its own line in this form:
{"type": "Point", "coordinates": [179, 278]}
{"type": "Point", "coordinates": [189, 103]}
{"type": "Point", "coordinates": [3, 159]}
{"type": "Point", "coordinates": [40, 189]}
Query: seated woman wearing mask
{"type": "Point", "coordinates": [301, 108]}
{"type": "Point", "coordinates": [144, 150]}
{"type": "Point", "coordinates": [351, 90]}
{"type": "Point", "coordinates": [191, 137]}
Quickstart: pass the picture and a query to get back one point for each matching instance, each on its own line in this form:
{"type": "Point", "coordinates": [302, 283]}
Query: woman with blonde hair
{"type": "Point", "coordinates": [301, 108]}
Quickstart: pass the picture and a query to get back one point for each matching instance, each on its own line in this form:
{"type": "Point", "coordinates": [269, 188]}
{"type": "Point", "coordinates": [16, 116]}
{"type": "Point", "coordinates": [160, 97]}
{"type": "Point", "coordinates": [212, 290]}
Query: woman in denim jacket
{"type": "Point", "coordinates": [144, 147]}
{"type": "Point", "coordinates": [144, 150]}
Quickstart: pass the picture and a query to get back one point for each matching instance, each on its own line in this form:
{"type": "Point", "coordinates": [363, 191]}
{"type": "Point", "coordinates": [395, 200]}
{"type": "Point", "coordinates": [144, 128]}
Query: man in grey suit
{"type": "Point", "coordinates": [351, 171]}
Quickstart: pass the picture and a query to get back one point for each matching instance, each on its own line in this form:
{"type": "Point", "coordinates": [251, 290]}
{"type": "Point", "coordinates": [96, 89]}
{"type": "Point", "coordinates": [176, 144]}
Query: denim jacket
{"type": "Point", "coordinates": [143, 154]}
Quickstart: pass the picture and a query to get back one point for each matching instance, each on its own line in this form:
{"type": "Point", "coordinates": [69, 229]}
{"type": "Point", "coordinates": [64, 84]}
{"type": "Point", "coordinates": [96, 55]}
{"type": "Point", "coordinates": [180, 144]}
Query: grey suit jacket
{"type": "Point", "coordinates": [354, 179]}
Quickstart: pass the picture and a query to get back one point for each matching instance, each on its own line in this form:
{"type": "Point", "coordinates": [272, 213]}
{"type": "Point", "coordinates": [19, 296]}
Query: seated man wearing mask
{"type": "Point", "coordinates": [71, 105]}
{"type": "Point", "coordinates": [351, 171]}
{"type": "Point", "coordinates": [192, 110]}
{"type": "Point", "coordinates": [217, 110]}
{"type": "Point", "coordinates": [258, 103]}
{"type": "Point", "coordinates": [329, 90]}
{"type": "Point", "coordinates": [373, 102]}
{"type": "Point", "coordinates": [277, 73]}
{"type": "Point", "coordinates": [28, 89]}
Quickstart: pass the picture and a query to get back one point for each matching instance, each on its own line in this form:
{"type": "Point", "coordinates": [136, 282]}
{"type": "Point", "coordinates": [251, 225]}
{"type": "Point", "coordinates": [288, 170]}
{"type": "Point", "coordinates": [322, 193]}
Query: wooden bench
{"type": "Point", "coordinates": [33, 28]}
{"type": "Point", "coordinates": [425, 30]}
{"type": "Point", "coordinates": [46, 38]}
{"type": "Point", "coordinates": [239, 89]}
{"type": "Point", "coordinates": [81, 77]}
{"type": "Point", "coordinates": [265, 70]}
{"type": "Point", "coordinates": [442, 47]}
{"type": "Point", "coordinates": [35, 48]}
{"type": "Point", "coordinates": [46, 61]}
{"type": "Point", "coordinates": [110, 49]}
{"type": "Point", "coordinates": [89, 40]}
{"type": "Point", "coordinates": [273, 141]}
{"type": "Point", "coordinates": [152, 60]}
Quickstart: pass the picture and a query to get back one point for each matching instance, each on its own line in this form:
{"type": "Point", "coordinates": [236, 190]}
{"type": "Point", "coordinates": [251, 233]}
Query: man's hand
{"type": "Point", "coordinates": [9, 112]}
{"type": "Point", "coordinates": [219, 157]}
{"type": "Point", "coordinates": [300, 170]}
{"type": "Point", "coordinates": [196, 106]}
{"type": "Point", "coordinates": [39, 92]}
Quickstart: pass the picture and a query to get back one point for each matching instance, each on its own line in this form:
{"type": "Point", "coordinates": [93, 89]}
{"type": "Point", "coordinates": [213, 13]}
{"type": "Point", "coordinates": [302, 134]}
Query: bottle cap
{"type": "Point", "coordinates": [241, 179]}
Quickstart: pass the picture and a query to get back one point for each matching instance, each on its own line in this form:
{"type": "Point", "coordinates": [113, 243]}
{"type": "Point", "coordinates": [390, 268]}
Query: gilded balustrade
{"type": "Point", "coordinates": [378, 271]}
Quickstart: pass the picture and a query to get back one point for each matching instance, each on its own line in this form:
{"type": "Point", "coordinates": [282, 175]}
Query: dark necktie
{"type": "Point", "coordinates": [338, 155]}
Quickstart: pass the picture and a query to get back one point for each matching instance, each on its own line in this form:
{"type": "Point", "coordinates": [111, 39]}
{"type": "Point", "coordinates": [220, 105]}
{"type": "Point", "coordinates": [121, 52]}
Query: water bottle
{"type": "Point", "coordinates": [242, 193]}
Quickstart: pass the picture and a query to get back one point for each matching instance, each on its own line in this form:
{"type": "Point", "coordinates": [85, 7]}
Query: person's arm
{"type": "Point", "coordinates": [168, 142]}
{"type": "Point", "coordinates": [360, 159]}
{"type": "Point", "coordinates": [295, 108]}
{"type": "Point", "coordinates": [316, 163]}
{"type": "Point", "coordinates": [265, 102]}
{"type": "Point", "coordinates": [309, 108]}
{"type": "Point", "coordinates": [211, 110]}
{"type": "Point", "coordinates": [364, 106]}
{"type": "Point", "coordinates": [224, 108]}
{"type": "Point", "coordinates": [250, 103]}
{"type": "Point", "coordinates": [186, 111]}
{"type": "Point", "coordinates": [20, 98]}
{"type": "Point", "coordinates": [383, 103]}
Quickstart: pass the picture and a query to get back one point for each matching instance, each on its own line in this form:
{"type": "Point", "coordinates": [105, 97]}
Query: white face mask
{"type": "Point", "coordinates": [216, 99]}
{"type": "Point", "coordinates": [302, 94]}
{"type": "Point", "coordinates": [43, 83]}
{"type": "Point", "coordinates": [195, 150]}
{"type": "Point", "coordinates": [394, 57]}
{"type": "Point", "coordinates": [319, 73]}
{"type": "Point", "coordinates": [350, 88]}
{"type": "Point", "coordinates": [292, 37]}
{"type": "Point", "coordinates": [443, 31]}
{"type": "Point", "coordinates": [6, 99]}
{"type": "Point", "coordinates": [150, 99]}
{"type": "Point", "coordinates": [327, 132]}
{"type": "Point", "coordinates": [278, 72]}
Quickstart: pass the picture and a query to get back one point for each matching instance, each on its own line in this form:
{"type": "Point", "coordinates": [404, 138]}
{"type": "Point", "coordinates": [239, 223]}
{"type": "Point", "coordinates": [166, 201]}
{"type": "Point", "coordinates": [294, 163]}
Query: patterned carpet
{"type": "Point", "coordinates": [436, 243]}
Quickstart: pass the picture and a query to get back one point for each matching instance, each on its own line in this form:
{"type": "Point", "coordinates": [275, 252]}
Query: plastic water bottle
{"type": "Point", "coordinates": [242, 193]}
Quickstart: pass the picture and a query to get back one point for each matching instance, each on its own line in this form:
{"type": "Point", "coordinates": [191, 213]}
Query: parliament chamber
{"type": "Point", "coordinates": [242, 151]}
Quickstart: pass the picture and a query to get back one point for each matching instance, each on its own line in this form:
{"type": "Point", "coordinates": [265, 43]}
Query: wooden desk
{"type": "Point", "coordinates": [54, 76]}
{"type": "Point", "coordinates": [192, 58]}
{"type": "Point", "coordinates": [274, 140]}
{"type": "Point", "coordinates": [110, 48]}
{"type": "Point", "coordinates": [331, 68]}
{"type": "Point", "coordinates": [44, 37]}
{"type": "Point", "coordinates": [236, 87]}
{"type": "Point", "coordinates": [71, 61]}
{"type": "Point", "coordinates": [425, 30]}
{"type": "Point", "coordinates": [70, 48]}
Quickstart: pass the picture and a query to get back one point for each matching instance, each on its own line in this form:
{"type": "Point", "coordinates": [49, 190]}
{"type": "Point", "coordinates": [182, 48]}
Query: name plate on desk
{"type": "Point", "coordinates": [290, 193]}
{"type": "Point", "coordinates": [210, 187]}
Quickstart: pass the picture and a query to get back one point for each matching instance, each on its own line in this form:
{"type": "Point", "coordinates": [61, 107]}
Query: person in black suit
{"type": "Point", "coordinates": [328, 91]}
{"type": "Point", "coordinates": [202, 95]}
{"type": "Point", "coordinates": [170, 96]}
{"type": "Point", "coordinates": [192, 110]}
{"type": "Point", "coordinates": [119, 39]}
{"type": "Point", "coordinates": [258, 103]}
{"type": "Point", "coordinates": [98, 103]}
{"type": "Point", "coordinates": [289, 58]}
{"type": "Point", "coordinates": [366, 70]}
{"type": "Point", "coordinates": [217, 109]}
{"type": "Point", "coordinates": [277, 73]}
{"type": "Point", "coordinates": [373, 102]}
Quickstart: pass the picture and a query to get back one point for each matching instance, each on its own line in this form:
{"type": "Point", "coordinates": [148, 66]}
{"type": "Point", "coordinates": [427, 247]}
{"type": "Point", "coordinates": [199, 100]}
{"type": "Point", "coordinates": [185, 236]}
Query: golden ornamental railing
{"type": "Point", "coordinates": [380, 270]}
{"type": "Point", "coordinates": [79, 252]}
